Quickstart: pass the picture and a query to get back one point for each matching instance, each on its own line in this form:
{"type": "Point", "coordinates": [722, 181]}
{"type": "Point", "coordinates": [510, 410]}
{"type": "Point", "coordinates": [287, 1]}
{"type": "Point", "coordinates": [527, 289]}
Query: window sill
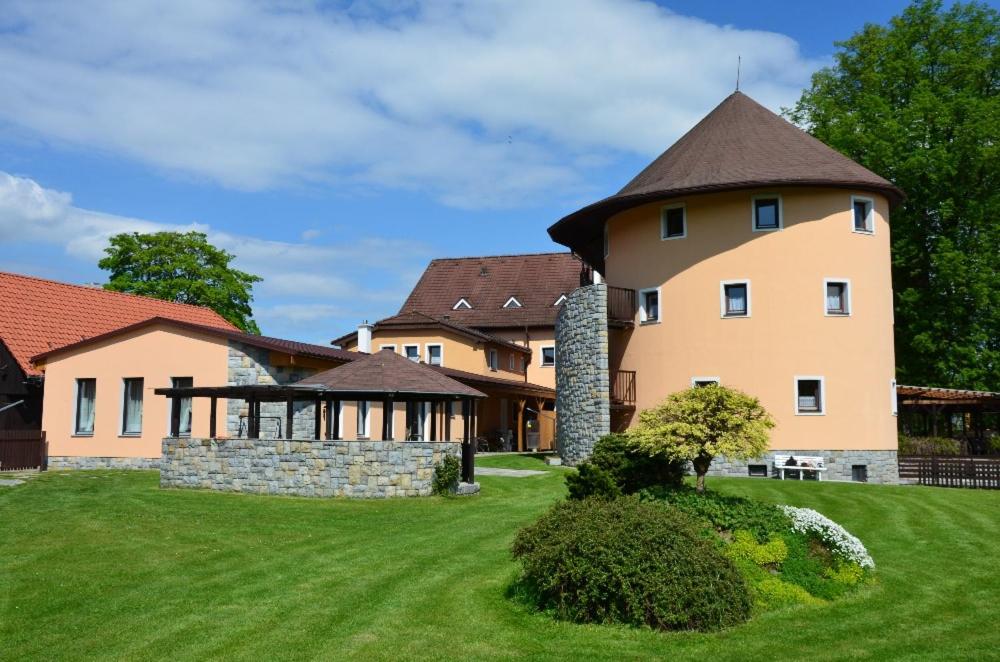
{"type": "Point", "coordinates": [810, 413]}
{"type": "Point", "coordinates": [834, 314]}
{"type": "Point", "coordinates": [679, 236]}
{"type": "Point", "coordinates": [867, 232]}
{"type": "Point", "coordinates": [735, 317]}
{"type": "Point", "coordinates": [130, 435]}
{"type": "Point", "coordinates": [777, 229]}
{"type": "Point", "coordinates": [82, 435]}
{"type": "Point", "coordinates": [648, 322]}
{"type": "Point", "coordinates": [544, 365]}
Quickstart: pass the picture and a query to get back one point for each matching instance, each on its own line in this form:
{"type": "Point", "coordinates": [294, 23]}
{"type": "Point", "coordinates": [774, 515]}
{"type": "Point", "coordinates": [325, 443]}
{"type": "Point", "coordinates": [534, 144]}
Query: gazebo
{"type": "Point", "coordinates": [384, 377]}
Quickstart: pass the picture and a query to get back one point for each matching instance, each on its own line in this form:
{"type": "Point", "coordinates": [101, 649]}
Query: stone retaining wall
{"type": "Point", "coordinates": [882, 465]}
{"type": "Point", "coordinates": [325, 468]}
{"type": "Point", "coordinates": [583, 398]}
{"type": "Point", "coordinates": [57, 462]}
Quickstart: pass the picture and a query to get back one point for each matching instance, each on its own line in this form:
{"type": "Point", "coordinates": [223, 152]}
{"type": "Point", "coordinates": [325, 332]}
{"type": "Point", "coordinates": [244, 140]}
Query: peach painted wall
{"type": "Point", "coordinates": [788, 333]}
{"type": "Point", "coordinates": [154, 353]}
{"type": "Point", "coordinates": [537, 338]}
{"type": "Point", "coordinates": [459, 353]}
{"type": "Point", "coordinates": [349, 421]}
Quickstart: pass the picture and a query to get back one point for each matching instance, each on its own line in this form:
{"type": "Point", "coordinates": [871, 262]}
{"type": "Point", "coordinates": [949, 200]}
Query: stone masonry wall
{"type": "Point", "coordinates": [359, 469]}
{"type": "Point", "coordinates": [251, 365]}
{"type": "Point", "coordinates": [583, 399]}
{"type": "Point", "coordinates": [57, 462]}
{"type": "Point", "coordinates": [882, 465]}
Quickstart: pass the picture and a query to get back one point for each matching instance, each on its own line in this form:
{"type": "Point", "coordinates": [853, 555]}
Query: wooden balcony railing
{"type": "Point", "coordinates": [621, 305]}
{"type": "Point", "coordinates": [623, 387]}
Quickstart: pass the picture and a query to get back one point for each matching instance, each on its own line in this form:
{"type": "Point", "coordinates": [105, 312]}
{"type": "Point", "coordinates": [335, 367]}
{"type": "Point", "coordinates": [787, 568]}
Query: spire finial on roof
{"type": "Point", "coordinates": [738, 58]}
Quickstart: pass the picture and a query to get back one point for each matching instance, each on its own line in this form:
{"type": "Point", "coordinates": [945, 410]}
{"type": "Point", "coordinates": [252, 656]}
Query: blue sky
{"type": "Point", "coordinates": [336, 148]}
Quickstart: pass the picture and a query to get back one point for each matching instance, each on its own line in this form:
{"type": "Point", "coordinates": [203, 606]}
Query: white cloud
{"type": "Point", "coordinates": [309, 235]}
{"type": "Point", "coordinates": [485, 103]}
{"type": "Point", "coordinates": [303, 283]}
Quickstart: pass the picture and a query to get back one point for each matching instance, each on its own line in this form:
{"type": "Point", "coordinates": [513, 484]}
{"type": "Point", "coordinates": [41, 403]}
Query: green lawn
{"type": "Point", "coordinates": [105, 564]}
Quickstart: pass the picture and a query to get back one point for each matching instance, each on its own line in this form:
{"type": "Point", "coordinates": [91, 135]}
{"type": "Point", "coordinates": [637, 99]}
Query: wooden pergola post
{"type": "Point", "coordinates": [289, 417]}
{"type": "Point", "coordinates": [212, 409]}
{"type": "Point", "coordinates": [175, 417]}
{"type": "Point", "coordinates": [447, 420]}
{"type": "Point", "coordinates": [336, 419]}
{"type": "Point", "coordinates": [521, 403]}
{"type": "Point", "coordinates": [251, 418]}
{"type": "Point", "coordinates": [434, 421]}
{"type": "Point", "coordinates": [387, 412]}
{"type": "Point", "coordinates": [318, 412]}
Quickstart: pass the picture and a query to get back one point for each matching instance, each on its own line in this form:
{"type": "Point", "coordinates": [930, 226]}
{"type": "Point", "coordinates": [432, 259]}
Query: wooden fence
{"type": "Point", "coordinates": [23, 449]}
{"type": "Point", "coordinates": [951, 471]}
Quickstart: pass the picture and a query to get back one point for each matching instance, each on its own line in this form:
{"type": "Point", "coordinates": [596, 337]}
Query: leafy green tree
{"type": "Point", "coordinates": [701, 423]}
{"type": "Point", "coordinates": [918, 101]}
{"type": "Point", "coordinates": [181, 267]}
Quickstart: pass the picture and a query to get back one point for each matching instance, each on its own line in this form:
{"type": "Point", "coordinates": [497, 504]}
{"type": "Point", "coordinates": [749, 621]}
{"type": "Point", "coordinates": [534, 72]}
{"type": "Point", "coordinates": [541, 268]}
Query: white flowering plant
{"type": "Point", "coordinates": [835, 537]}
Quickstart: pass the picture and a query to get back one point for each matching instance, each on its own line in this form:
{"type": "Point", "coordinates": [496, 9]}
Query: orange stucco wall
{"type": "Point", "coordinates": [536, 339]}
{"type": "Point", "coordinates": [349, 421]}
{"type": "Point", "coordinates": [788, 333]}
{"type": "Point", "coordinates": [154, 353]}
{"type": "Point", "coordinates": [459, 353]}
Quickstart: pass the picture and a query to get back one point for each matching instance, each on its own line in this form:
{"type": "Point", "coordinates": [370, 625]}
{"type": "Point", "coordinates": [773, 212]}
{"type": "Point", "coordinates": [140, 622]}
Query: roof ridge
{"type": "Point", "coordinates": [103, 290]}
{"type": "Point", "coordinates": [500, 256]}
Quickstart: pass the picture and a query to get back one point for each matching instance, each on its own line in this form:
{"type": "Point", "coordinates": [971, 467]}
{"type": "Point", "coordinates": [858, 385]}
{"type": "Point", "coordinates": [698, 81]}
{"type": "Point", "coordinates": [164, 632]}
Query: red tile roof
{"type": "Point", "coordinates": [293, 347]}
{"type": "Point", "coordinates": [739, 145]}
{"type": "Point", "coordinates": [414, 320]}
{"type": "Point", "coordinates": [37, 315]}
{"type": "Point", "coordinates": [537, 281]}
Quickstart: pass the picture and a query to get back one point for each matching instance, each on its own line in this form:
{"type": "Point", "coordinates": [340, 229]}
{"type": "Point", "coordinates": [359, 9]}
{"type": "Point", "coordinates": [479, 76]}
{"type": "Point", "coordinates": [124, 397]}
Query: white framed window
{"type": "Point", "coordinates": [560, 301]}
{"type": "Point", "coordinates": [512, 362]}
{"type": "Point", "coordinates": [862, 215]}
{"type": "Point", "coordinates": [493, 359]}
{"type": "Point", "coordinates": [673, 221]}
{"type": "Point", "coordinates": [412, 352]}
{"type": "Point", "coordinates": [131, 406]}
{"type": "Point", "coordinates": [462, 304]}
{"type": "Point", "coordinates": [607, 240]}
{"type": "Point", "coordinates": [649, 305]}
{"type": "Point", "coordinates": [391, 346]}
{"type": "Point", "coordinates": [836, 297]}
{"type": "Point", "coordinates": [767, 214]}
{"type": "Point", "coordinates": [698, 382]}
{"type": "Point", "coordinates": [435, 353]}
{"type": "Point", "coordinates": [512, 303]}
{"type": "Point", "coordinates": [810, 395]}
{"type": "Point", "coordinates": [184, 423]}
{"type": "Point", "coordinates": [86, 399]}
{"type": "Point", "coordinates": [734, 298]}
{"type": "Point", "coordinates": [893, 397]}
{"type": "Point", "coordinates": [364, 414]}
{"type": "Point", "coordinates": [548, 356]}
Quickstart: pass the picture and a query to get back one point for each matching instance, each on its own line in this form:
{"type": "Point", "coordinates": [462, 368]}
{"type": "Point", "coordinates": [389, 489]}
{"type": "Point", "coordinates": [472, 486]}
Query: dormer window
{"type": "Point", "coordinates": [560, 301]}
{"type": "Point", "coordinates": [462, 304]}
{"type": "Point", "coordinates": [512, 303]}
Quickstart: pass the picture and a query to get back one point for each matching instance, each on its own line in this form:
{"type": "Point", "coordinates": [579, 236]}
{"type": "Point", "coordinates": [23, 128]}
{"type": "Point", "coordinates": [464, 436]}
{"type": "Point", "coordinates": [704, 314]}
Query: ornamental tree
{"type": "Point", "coordinates": [697, 424]}
{"type": "Point", "coordinates": [184, 268]}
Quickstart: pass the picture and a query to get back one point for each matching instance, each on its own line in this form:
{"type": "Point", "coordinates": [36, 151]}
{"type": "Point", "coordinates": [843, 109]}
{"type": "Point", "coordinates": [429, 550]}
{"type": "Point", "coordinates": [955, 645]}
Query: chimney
{"type": "Point", "coordinates": [365, 337]}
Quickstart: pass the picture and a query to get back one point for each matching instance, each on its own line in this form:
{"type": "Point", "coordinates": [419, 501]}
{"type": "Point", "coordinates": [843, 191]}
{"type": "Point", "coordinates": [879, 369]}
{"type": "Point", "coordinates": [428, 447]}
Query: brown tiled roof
{"type": "Point", "coordinates": [413, 320]}
{"type": "Point", "coordinates": [498, 383]}
{"type": "Point", "coordinates": [292, 347]}
{"type": "Point", "coordinates": [390, 373]}
{"type": "Point", "coordinates": [738, 145]}
{"type": "Point", "coordinates": [37, 315]}
{"type": "Point", "coordinates": [536, 280]}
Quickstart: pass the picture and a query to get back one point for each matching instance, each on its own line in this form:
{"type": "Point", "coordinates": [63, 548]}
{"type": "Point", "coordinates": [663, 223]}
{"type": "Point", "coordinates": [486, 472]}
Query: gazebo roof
{"type": "Point", "coordinates": [739, 145]}
{"type": "Point", "coordinates": [389, 373]}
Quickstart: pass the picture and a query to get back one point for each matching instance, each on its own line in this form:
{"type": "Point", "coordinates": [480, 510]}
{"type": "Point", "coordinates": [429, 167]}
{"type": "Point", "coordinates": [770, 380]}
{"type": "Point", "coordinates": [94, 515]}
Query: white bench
{"type": "Point", "coordinates": [804, 463]}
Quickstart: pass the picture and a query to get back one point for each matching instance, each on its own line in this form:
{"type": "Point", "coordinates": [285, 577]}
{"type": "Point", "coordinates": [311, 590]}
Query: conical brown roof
{"type": "Point", "coordinates": [391, 374]}
{"type": "Point", "coordinates": [739, 145]}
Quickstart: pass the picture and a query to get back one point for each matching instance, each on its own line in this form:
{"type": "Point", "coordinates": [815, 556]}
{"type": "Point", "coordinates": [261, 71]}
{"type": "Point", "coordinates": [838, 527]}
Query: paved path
{"type": "Point", "coordinates": [10, 482]}
{"type": "Point", "coordinates": [510, 473]}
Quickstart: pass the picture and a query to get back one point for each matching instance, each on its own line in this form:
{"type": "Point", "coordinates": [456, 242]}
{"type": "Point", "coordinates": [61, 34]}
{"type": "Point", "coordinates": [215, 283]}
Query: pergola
{"type": "Point", "coordinates": [384, 376]}
{"type": "Point", "coordinates": [929, 410]}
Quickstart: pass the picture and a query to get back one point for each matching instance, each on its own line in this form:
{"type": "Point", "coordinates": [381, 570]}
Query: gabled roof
{"type": "Point", "coordinates": [389, 373]}
{"type": "Point", "coordinates": [739, 145]}
{"type": "Point", "coordinates": [488, 282]}
{"type": "Point", "coordinates": [414, 320]}
{"type": "Point", "coordinates": [37, 315]}
{"type": "Point", "coordinates": [293, 347]}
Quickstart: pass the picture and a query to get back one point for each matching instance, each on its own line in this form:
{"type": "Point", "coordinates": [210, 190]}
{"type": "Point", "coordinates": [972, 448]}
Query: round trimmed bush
{"type": "Point", "coordinates": [615, 468]}
{"type": "Point", "coordinates": [626, 561]}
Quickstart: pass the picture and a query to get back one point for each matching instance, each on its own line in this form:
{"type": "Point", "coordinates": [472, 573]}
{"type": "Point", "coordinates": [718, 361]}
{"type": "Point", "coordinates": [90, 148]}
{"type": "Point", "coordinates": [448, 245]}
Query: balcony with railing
{"type": "Point", "coordinates": [621, 306]}
{"type": "Point", "coordinates": [623, 388]}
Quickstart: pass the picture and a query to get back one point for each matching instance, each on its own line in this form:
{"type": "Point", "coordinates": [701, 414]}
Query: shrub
{"type": "Point", "coordinates": [835, 537]}
{"type": "Point", "coordinates": [628, 561]}
{"type": "Point", "coordinates": [726, 513]}
{"type": "Point", "coordinates": [446, 475]}
{"type": "Point", "coordinates": [773, 593]}
{"type": "Point", "coordinates": [616, 468]}
{"type": "Point", "coordinates": [928, 446]}
{"type": "Point", "coordinates": [744, 548]}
